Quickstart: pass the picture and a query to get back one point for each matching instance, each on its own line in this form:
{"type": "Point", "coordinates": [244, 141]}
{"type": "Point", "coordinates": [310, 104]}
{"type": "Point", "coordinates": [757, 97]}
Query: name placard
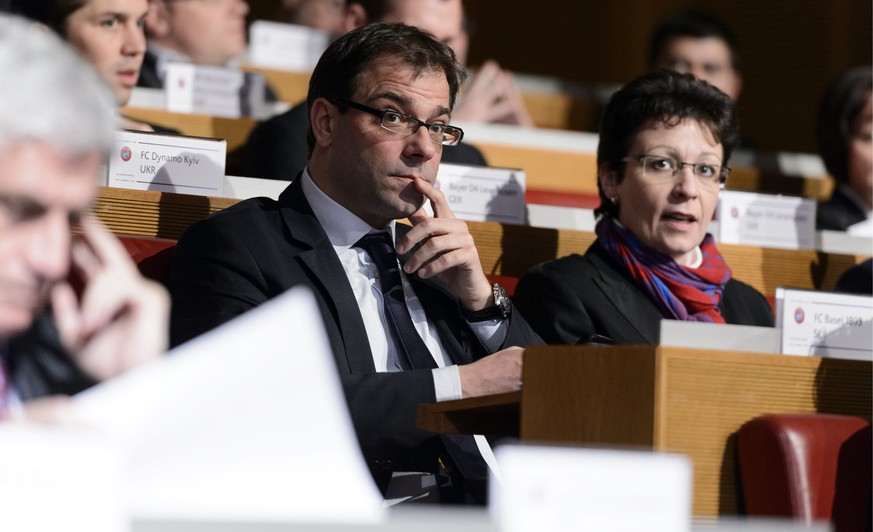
{"type": "Point", "coordinates": [719, 336]}
{"type": "Point", "coordinates": [480, 194]}
{"type": "Point", "coordinates": [168, 163]}
{"type": "Point", "coordinates": [766, 220]}
{"type": "Point", "coordinates": [216, 91]}
{"type": "Point", "coordinates": [825, 324]}
{"type": "Point", "coordinates": [554, 488]}
{"type": "Point", "coordinates": [285, 46]}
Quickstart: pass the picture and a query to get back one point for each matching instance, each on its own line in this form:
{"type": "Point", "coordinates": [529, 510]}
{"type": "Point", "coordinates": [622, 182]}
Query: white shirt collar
{"type": "Point", "coordinates": [343, 227]}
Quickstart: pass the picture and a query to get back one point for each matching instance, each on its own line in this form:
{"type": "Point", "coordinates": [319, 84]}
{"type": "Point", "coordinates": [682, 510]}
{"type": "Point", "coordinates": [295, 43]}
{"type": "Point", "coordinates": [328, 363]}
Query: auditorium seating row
{"type": "Point", "coordinates": [506, 251]}
{"type": "Point", "coordinates": [558, 162]}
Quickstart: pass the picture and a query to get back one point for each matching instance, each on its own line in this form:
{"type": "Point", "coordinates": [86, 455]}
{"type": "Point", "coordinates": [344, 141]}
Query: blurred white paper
{"type": "Point", "coordinates": [54, 478]}
{"type": "Point", "coordinates": [247, 422]}
{"type": "Point", "coordinates": [719, 336]}
{"type": "Point", "coordinates": [597, 490]}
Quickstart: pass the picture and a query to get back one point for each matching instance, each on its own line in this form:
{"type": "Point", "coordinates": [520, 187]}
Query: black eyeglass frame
{"type": "Point", "coordinates": [723, 173]}
{"type": "Point", "coordinates": [381, 113]}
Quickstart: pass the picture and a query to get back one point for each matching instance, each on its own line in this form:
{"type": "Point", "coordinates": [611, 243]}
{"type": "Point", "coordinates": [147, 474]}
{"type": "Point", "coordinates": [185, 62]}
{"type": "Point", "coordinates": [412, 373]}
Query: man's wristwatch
{"type": "Point", "coordinates": [500, 310]}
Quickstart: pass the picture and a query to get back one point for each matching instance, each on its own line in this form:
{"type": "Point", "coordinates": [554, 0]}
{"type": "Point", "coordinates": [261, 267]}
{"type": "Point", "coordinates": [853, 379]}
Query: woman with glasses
{"type": "Point", "coordinates": [665, 142]}
{"type": "Point", "coordinates": [108, 33]}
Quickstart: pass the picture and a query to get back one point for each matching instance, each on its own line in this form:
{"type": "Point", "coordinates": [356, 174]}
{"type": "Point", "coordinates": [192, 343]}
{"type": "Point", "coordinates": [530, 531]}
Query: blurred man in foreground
{"type": "Point", "coordinates": [74, 310]}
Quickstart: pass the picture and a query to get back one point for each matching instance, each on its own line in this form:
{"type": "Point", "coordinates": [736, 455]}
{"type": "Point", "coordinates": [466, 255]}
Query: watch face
{"type": "Point", "coordinates": [501, 299]}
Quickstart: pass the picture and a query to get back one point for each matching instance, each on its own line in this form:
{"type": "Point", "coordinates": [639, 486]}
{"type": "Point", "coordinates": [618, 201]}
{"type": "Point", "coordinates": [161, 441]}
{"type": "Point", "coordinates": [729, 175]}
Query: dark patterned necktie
{"type": "Point", "coordinates": [413, 352]}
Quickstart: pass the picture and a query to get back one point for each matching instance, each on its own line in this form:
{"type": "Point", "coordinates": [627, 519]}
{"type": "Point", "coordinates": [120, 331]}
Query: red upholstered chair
{"type": "Point", "coordinates": [808, 466]}
{"type": "Point", "coordinates": [151, 255]}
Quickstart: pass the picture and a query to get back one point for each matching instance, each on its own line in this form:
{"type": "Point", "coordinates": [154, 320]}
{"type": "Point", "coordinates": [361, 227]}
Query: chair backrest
{"type": "Point", "coordinates": [808, 466]}
{"type": "Point", "coordinates": [151, 255]}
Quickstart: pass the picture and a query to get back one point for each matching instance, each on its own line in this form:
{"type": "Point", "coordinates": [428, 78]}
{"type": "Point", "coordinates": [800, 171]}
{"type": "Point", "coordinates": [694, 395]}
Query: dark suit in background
{"type": "Point", "coordinates": [39, 365]}
{"type": "Point", "coordinates": [148, 73]}
{"type": "Point", "coordinates": [857, 279]}
{"type": "Point", "coordinates": [838, 213]}
{"type": "Point", "coordinates": [569, 299]}
{"type": "Point", "coordinates": [277, 149]}
{"type": "Point", "coordinates": [247, 254]}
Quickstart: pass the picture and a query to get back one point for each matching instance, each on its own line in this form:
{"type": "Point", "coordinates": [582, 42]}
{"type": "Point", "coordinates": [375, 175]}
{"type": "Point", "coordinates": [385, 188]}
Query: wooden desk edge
{"type": "Point", "coordinates": [461, 415]}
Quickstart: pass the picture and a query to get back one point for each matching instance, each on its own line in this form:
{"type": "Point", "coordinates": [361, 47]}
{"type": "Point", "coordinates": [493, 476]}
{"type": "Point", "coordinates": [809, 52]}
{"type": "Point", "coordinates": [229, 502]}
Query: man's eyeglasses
{"type": "Point", "coordinates": [405, 124]}
{"type": "Point", "coordinates": [664, 168]}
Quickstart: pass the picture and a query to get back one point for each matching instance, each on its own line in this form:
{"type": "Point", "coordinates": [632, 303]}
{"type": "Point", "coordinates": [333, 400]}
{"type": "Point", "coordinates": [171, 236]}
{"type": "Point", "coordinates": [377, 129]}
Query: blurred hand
{"type": "Point", "coordinates": [492, 96]}
{"type": "Point", "coordinates": [54, 409]}
{"type": "Point", "coordinates": [121, 319]}
{"type": "Point", "coordinates": [496, 373]}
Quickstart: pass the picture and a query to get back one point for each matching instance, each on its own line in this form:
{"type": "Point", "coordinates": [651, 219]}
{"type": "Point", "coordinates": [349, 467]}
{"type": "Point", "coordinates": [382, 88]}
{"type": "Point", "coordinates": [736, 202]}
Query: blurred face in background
{"type": "Point", "coordinates": [707, 58]}
{"type": "Point", "coordinates": [324, 15]}
{"type": "Point", "coordinates": [861, 155]}
{"type": "Point", "coordinates": [210, 32]}
{"type": "Point", "coordinates": [444, 19]}
{"type": "Point", "coordinates": [109, 33]}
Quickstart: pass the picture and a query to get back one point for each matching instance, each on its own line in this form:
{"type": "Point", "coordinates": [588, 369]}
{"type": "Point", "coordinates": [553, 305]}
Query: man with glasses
{"type": "Point", "coordinates": [429, 327]}
{"type": "Point", "coordinates": [276, 148]}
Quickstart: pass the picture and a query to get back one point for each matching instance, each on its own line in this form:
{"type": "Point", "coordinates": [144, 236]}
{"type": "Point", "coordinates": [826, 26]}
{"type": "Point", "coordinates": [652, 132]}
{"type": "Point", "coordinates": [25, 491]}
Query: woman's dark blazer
{"type": "Point", "coordinates": [567, 300]}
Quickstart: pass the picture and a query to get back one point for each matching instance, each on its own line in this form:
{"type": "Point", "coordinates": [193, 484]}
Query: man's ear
{"type": "Point", "coordinates": [157, 21]}
{"type": "Point", "coordinates": [738, 85]}
{"type": "Point", "coordinates": [356, 16]}
{"type": "Point", "coordinates": [607, 175]}
{"type": "Point", "coordinates": [322, 121]}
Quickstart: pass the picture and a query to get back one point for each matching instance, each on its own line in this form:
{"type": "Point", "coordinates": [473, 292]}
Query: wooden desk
{"type": "Point", "coordinates": [668, 399]}
{"type": "Point", "coordinates": [575, 172]}
{"type": "Point", "coordinates": [510, 250]}
{"type": "Point", "coordinates": [234, 130]}
{"type": "Point", "coordinates": [290, 86]}
{"type": "Point", "coordinates": [507, 250]}
{"type": "Point", "coordinates": [151, 213]}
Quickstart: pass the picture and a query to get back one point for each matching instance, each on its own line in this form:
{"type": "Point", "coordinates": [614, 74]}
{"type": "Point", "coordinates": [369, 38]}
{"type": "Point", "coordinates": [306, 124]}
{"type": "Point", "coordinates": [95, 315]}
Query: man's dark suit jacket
{"type": "Point", "coordinates": [569, 299]}
{"type": "Point", "coordinates": [277, 149]}
{"type": "Point", "coordinates": [838, 213]}
{"type": "Point", "coordinates": [39, 365]}
{"type": "Point", "coordinates": [148, 73]}
{"type": "Point", "coordinates": [257, 249]}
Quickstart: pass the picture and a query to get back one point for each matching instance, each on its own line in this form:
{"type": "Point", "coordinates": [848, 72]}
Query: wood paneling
{"type": "Point", "coordinates": [687, 401]}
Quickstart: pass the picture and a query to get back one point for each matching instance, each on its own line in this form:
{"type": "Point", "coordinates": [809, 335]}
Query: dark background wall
{"type": "Point", "coordinates": [789, 49]}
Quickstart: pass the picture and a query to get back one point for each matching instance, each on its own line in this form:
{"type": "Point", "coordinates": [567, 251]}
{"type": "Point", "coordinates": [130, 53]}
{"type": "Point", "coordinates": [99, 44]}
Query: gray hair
{"type": "Point", "coordinates": [49, 93]}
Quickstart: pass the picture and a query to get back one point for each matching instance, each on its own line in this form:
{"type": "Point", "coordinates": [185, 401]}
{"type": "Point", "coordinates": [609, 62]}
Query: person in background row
{"type": "Point", "coordinates": [491, 95]}
{"type": "Point", "coordinates": [203, 32]}
{"type": "Point", "coordinates": [409, 313]}
{"type": "Point", "coordinates": [845, 125]}
{"type": "Point", "coordinates": [56, 129]}
{"type": "Point", "coordinates": [108, 33]}
{"type": "Point", "coordinates": [693, 42]}
{"type": "Point", "coordinates": [857, 279]}
{"type": "Point", "coordinates": [324, 15]}
{"type": "Point", "coordinates": [665, 143]}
